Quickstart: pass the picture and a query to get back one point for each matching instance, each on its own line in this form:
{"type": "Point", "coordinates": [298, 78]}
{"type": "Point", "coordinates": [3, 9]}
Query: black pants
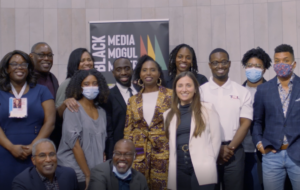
{"type": "Point", "coordinates": [81, 185]}
{"type": "Point", "coordinates": [231, 174]}
{"type": "Point", "coordinates": [186, 178]}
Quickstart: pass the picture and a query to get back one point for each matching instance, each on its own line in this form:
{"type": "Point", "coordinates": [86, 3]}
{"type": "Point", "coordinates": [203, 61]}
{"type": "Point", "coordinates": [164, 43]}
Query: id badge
{"type": "Point", "coordinates": [17, 107]}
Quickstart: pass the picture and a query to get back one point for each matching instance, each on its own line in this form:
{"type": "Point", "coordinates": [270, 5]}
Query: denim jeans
{"type": "Point", "coordinates": [275, 166]}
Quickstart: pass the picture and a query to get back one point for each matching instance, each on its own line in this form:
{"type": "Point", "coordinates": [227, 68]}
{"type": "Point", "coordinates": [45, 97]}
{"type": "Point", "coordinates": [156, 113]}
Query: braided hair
{"type": "Point", "coordinates": [172, 70]}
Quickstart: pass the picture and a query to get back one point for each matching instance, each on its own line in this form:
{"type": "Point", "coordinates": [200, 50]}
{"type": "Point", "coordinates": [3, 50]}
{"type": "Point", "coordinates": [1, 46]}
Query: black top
{"type": "Point", "coordinates": [184, 128]}
{"type": "Point", "coordinates": [200, 78]}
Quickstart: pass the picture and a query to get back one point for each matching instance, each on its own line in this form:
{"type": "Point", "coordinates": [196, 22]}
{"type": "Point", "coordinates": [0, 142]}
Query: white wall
{"type": "Point", "coordinates": [235, 25]}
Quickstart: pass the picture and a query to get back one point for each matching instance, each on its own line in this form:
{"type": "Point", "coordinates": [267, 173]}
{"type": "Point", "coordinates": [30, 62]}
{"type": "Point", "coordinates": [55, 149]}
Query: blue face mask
{"type": "Point", "coordinates": [90, 92]}
{"type": "Point", "coordinates": [254, 74]}
{"type": "Point", "coordinates": [121, 176]}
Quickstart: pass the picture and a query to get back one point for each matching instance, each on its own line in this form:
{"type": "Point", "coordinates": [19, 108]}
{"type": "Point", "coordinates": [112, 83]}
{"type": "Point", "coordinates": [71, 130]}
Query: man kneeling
{"type": "Point", "coordinates": [117, 174]}
{"type": "Point", "coordinates": [45, 174]}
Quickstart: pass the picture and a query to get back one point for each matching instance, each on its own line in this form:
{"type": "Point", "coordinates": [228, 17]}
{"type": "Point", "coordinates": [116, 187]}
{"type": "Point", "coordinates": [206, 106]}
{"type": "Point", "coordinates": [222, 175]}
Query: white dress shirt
{"type": "Point", "coordinates": [232, 101]}
{"type": "Point", "coordinates": [149, 103]}
{"type": "Point", "coordinates": [125, 92]}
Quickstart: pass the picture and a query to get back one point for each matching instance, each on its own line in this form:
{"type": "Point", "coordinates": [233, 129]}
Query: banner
{"type": "Point", "coordinates": [113, 39]}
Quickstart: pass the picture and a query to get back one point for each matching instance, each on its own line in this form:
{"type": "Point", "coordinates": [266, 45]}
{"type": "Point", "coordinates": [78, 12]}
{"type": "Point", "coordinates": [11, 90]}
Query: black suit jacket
{"type": "Point", "coordinates": [102, 178]}
{"type": "Point", "coordinates": [116, 115]}
{"type": "Point", "coordinates": [29, 179]}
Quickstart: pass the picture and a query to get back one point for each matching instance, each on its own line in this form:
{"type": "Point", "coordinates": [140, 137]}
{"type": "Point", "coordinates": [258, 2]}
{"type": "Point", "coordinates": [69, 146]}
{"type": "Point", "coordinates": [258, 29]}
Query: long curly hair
{"type": "Point", "coordinates": [139, 65]}
{"type": "Point", "coordinates": [4, 76]}
{"type": "Point", "coordinates": [172, 69]}
{"type": "Point", "coordinates": [74, 89]}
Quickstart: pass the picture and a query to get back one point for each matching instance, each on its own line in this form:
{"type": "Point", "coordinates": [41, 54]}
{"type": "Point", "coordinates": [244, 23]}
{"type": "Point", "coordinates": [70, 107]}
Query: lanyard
{"type": "Point", "coordinates": [18, 96]}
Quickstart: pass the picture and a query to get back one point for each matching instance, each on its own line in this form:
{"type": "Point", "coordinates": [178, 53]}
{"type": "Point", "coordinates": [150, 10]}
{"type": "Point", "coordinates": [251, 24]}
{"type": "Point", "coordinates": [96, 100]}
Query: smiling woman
{"type": "Point", "coordinates": [17, 135]}
{"type": "Point", "coordinates": [183, 58]}
{"type": "Point", "coordinates": [144, 123]}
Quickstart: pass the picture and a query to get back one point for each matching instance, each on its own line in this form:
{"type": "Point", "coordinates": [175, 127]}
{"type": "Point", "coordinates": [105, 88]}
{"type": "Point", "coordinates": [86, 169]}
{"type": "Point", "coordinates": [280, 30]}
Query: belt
{"type": "Point", "coordinates": [284, 146]}
{"type": "Point", "coordinates": [183, 147]}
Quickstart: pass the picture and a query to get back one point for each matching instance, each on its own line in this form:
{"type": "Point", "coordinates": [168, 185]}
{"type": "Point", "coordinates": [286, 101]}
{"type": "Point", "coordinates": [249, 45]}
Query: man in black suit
{"type": "Point", "coordinates": [116, 105]}
{"type": "Point", "coordinates": [45, 174]}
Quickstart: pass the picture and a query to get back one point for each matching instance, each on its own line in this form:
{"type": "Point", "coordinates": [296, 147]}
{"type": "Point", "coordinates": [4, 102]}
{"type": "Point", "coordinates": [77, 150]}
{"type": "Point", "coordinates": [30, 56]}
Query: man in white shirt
{"type": "Point", "coordinates": [117, 101]}
{"type": "Point", "coordinates": [233, 103]}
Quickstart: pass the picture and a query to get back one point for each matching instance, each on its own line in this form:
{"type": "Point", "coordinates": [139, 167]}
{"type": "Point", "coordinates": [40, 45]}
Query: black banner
{"type": "Point", "coordinates": [131, 39]}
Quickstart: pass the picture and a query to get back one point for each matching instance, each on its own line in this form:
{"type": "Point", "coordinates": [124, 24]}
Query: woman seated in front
{"type": "Point", "coordinates": [84, 132]}
{"type": "Point", "coordinates": [193, 130]}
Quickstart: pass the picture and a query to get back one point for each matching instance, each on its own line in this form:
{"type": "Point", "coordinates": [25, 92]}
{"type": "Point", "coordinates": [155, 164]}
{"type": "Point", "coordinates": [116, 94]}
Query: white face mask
{"type": "Point", "coordinates": [90, 92]}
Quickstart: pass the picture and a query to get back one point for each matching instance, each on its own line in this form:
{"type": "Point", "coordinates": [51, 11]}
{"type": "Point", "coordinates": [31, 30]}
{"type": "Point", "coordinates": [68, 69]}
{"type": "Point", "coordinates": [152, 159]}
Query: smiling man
{"type": "Point", "coordinates": [117, 101]}
{"type": "Point", "coordinates": [42, 58]}
{"type": "Point", "coordinates": [45, 174]}
{"type": "Point", "coordinates": [233, 103]}
{"type": "Point", "coordinates": [117, 174]}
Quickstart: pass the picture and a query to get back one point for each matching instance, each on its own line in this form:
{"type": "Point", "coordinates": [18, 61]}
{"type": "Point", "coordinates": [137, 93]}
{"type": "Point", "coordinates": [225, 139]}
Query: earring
{"type": "Point", "coordinates": [139, 83]}
{"type": "Point", "coordinates": [159, 83]}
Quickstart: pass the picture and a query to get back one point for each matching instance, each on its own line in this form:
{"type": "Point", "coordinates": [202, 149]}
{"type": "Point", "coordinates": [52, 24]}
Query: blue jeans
{"type": "Point", "coordinates": [275, 166]}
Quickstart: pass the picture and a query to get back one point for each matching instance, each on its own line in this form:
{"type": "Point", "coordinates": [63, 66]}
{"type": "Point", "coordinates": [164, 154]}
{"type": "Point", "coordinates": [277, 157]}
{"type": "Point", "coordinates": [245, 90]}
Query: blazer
{"type": "Point", "coordinates": [116, 114]}
{"type": "Point", "coordinates": [103, 178]}
{"type": "Point", "coordinates": [204, 150]}
{"type": "Point", "coordinates": [268, 114]}
{"type": "Point", "coordinates": [29, 179]}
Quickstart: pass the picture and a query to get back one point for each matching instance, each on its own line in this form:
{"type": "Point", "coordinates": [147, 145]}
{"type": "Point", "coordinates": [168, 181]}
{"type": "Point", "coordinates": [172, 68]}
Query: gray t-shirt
{"type": "Point", "coordinates": [91, 134]}
{"type": "Point", "coordinates": [61, 92]}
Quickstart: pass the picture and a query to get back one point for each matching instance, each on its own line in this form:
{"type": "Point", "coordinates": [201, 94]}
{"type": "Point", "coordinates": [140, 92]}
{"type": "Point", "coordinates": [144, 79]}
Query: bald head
{"type": "Point", "coordinates": [125, 143]}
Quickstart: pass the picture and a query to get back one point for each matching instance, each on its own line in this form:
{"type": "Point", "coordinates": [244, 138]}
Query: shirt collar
{"type": "Point", "coordinates": [214, 85]}
{"type": "Point", "coordinates": [291, 80]}
{"type": "Point", "coordinates": [122, 88]}
{"type": "Point", "coordinates": [44, 178]}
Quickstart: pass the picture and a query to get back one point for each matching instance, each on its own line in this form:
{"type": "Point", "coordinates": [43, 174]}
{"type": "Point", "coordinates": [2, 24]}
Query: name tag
{"type": "Point", "coordinates": [17, 107]}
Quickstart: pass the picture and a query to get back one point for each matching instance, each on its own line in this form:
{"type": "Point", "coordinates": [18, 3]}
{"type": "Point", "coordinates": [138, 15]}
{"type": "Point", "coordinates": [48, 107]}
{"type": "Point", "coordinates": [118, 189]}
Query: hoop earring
{"type": "Point", "coordinates": [139, 83]}
{"type": "Point", "coordinates": [159, 83]}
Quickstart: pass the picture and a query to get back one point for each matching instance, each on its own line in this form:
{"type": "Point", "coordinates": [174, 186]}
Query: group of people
{"type": "Point", "coordinates": [149, 131]}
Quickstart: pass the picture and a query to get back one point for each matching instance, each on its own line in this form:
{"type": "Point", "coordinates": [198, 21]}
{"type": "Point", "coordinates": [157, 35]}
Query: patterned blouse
{"type": "Point", "coordinates": [152, 146]}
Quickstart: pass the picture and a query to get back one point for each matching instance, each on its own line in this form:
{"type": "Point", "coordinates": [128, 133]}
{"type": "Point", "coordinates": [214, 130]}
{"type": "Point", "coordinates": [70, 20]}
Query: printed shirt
{"type": "Point", "coordinates": [285, 99]}
{"type": "Point", "coordinates": [49, 185]}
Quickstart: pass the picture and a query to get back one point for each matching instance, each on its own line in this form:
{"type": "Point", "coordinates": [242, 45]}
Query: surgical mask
{"type": "Point", "coordinates": [283, 69]}
{"type": "Point", "coordinates": [254, 74]}
{"type": "Point", "coordinates": [121, 176]}
{"type": "Point", "coordinates": [90, 92]}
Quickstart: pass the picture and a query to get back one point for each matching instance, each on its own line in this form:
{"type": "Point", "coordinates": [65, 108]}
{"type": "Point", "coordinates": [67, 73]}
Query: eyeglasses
{"type": "Point", "coordinates": [43, 156]}
{"type": "Point", "coordinates": [223, 63]}
{"type": "Point", "coordinates": [22, 65]}
{"type": "Point", "coordinates": [126, 155]}
{"type": "Point", "coordinates": [256, 65]}
{"type": "Point", "coordinates": [43, 56]}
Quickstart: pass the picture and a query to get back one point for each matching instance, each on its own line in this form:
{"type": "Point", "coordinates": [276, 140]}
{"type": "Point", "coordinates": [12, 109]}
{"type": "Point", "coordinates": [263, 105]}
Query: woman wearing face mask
{"type": "Point", "coordinates": [80, 59]}
{"type": "Point", "coordinates": [194, 134]}
{"type": "Point", "coordinates": [183, 58]}
{"type": "Point", "coordinates": [84, 132]}
{"type": "Point", "coordinates": [144, 123]}
{"type": "Point", "coordinates": [255, 61]}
